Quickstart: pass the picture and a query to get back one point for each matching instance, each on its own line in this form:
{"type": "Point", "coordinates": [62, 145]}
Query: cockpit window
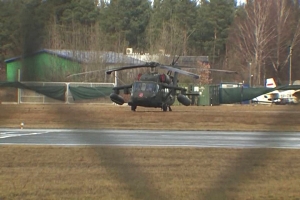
{"type": "Point", "coordinates": [140, 86]}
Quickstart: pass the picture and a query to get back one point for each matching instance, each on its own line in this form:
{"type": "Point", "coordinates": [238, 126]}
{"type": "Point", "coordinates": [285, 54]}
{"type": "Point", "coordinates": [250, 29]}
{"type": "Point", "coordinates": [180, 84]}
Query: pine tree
{"type": "Point", "coordinates": [125, 22]}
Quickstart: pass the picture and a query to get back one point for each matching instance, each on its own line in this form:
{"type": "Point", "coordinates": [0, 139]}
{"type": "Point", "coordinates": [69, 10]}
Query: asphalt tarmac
{"type": "Point", "coordinates": [150, 138]}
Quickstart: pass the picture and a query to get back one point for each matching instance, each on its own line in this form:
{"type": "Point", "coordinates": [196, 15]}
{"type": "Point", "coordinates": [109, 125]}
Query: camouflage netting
{"type": "Point", "coordinates": [240, 94]}
{"type": "Point", "coordinates": [55, 92]}
{"type": "Point", "coordinates": [81, 93]}
{"type": "Point", "coordinates": [227, 95]}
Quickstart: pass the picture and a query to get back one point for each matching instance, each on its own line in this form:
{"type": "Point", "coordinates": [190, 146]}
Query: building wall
{"type": "Point", "coordinates": [41, 67]}
{"type": "Point", "coordinates": [12, 71]}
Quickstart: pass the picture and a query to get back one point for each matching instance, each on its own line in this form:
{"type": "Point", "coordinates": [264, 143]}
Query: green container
{"type": "Point", "coordinates": [208, 95]}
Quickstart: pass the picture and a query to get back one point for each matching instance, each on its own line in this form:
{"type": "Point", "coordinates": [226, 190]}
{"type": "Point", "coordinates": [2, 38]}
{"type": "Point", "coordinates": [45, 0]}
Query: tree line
{"type": "Point", "coordinates": [259, 39]}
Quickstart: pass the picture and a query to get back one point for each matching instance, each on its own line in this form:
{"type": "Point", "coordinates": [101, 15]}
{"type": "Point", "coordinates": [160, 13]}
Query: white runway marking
{"type": "Point", "coordinates": [13, 134]}
{"type": "Point", "coordinates": [5, 133]}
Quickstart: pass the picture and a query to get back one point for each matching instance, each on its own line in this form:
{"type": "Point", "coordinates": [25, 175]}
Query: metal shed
{"type": "Point", "coordinates": [209, 95]}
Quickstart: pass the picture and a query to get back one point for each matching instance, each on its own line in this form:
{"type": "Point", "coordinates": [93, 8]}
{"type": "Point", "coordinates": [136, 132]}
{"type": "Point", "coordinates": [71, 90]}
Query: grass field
{"type": "Point", "coordinates": [48, 172]}
{"type": "Point", "coordinates": [238, 117]}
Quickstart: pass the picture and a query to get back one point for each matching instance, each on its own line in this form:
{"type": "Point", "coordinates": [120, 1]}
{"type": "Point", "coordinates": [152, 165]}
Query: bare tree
{"type": "Point", "coordinates": [82, 42]}
{"type": "Point", "coordinates": [262, 35]}
{"type": "Point", "coordinates": [287, 29]}
{"type": "Point", "coordinates": [253, 33]}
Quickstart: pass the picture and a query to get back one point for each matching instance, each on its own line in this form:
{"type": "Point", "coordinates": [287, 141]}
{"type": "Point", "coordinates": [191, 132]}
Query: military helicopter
{"type": "Point", "coordinates": [154, 89]}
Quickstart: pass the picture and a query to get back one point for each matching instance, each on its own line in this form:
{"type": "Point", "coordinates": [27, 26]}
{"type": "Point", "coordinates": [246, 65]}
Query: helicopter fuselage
{"type": "Point", "coordinates": [150, 94]}
{"type": "Point", "coordinates": [162, 87]}
{"type": "Point", "coordinates": [152, 90]}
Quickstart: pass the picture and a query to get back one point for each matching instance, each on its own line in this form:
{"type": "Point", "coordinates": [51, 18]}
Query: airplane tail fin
{"type": "Point", "coordinates": [270, 83]}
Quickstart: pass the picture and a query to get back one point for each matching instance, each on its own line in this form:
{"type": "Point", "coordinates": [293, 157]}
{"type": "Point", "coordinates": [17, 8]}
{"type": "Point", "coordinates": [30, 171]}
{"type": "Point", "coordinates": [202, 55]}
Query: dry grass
{"type": "Point", "coordinates": [8, 94]}
{"type": "Point", "coordinates": [276, 118]}
{"type": "Point", "coordinates": [148, 173]}
{"type": "Point", "coordinates": [31, 172]}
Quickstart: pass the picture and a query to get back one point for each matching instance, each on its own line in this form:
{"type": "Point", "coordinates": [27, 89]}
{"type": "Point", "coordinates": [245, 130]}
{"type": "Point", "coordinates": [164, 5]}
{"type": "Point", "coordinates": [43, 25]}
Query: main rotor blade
{"type": "Point", "coordinates": [147, 64]}
{"type": "Point", "coordinates": [82, 73]}
{"type": "Point", "coordinates": [173, 69]}
{"type": "Point", "coordinates": [220, 70]}
{"type": "Point", "coordinates": [152, 65]}
{"type": "Point", "coordinates": [208, 69]}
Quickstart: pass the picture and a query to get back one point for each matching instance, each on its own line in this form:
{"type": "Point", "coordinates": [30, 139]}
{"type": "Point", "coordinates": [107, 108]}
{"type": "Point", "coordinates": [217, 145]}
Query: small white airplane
{"type": "Point", "coordinates": [280, 97]}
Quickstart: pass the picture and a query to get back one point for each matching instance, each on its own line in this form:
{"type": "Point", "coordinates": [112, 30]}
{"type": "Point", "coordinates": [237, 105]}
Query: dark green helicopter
{"type": "Point", "coordinates": [153, 89]}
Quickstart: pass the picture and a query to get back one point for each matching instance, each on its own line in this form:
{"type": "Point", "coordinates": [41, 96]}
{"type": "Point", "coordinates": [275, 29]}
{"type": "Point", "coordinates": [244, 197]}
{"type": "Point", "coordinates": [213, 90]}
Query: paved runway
{"type": "Point", "coordinates": [147, 138]}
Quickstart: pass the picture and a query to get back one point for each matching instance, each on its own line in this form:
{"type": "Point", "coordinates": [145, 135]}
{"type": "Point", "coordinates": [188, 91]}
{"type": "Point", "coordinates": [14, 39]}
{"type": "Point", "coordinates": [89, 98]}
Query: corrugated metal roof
{"type": "Point", "coordinates": [111, 57]}
{"type": "Point", "coordinates": [86, 56]}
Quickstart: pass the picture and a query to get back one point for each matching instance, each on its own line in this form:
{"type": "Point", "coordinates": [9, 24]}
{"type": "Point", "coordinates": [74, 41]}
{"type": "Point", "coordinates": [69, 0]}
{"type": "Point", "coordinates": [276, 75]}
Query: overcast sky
{"type": "Point", "coordinates": [241, 1]}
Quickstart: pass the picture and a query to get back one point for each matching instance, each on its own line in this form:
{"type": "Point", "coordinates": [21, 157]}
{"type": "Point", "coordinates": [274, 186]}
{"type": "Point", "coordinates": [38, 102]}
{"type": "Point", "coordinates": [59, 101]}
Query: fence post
{"type": "Point", "coordinates": [67, 93]}
{"type": "Point", "coordinates": [19, 90]}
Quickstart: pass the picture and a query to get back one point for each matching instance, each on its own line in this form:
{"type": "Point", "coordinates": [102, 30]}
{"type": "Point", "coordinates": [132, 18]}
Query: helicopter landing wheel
{"type": "Point", "coordinates": [164, 107]}
{"type": "Point", "coordinates": [133, 107]}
